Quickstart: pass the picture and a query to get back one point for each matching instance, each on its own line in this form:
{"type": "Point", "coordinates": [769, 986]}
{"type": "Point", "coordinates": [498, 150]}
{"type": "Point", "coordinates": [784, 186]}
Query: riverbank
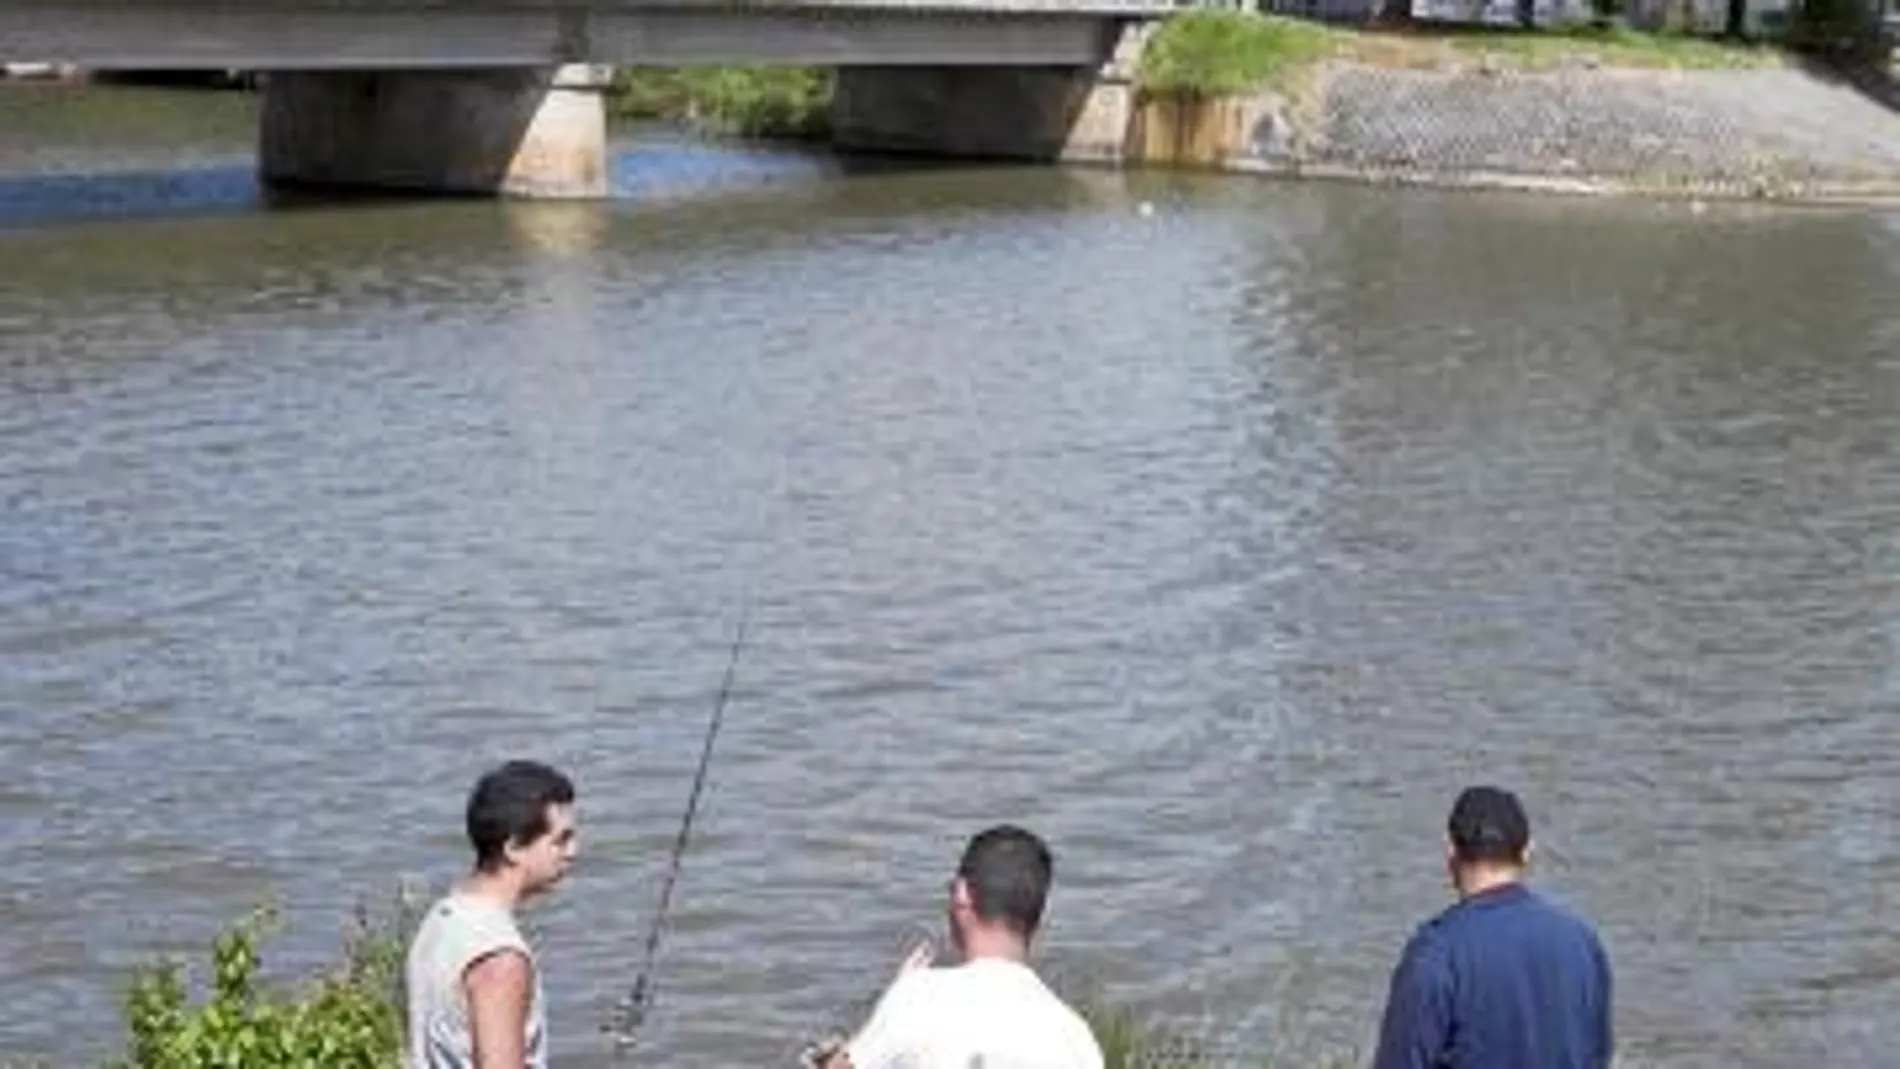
{"type": "Point", "coordinates": [1581, 111]}
{"type": "Point", "coordinates": [350, 1013]}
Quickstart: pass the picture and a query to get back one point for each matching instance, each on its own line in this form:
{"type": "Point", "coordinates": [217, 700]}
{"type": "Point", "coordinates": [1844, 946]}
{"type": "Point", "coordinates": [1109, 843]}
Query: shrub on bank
{"type": "Point", "coordinates": [1207, 52]}
{"type": "Point", "coordinates": [791, 102]}
{"type": "Point", "coordinates": [348, 1017]}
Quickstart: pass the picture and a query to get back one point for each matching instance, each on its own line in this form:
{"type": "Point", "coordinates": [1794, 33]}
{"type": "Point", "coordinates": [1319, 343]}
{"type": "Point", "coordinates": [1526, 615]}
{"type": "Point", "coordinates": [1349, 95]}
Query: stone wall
{"type": "Point", "coordinates": [1777, 132]}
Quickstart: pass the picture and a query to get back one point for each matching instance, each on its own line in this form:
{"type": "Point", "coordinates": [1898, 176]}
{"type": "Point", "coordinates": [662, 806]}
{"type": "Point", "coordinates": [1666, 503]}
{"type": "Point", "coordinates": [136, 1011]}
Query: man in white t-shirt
{"type": "Point", "coordinates": [992, 1011]}
{"type": "Point", "coordinates": [473, 986]}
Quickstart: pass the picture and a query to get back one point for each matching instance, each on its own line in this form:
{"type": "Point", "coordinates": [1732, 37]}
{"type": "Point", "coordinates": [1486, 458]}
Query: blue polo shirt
{"type": "Point", "coordinates": [1502, 980]}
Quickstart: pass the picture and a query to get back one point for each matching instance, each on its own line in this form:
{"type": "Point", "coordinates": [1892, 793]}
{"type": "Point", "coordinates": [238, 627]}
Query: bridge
{"type": "Point", "coordinates": [505, 96]}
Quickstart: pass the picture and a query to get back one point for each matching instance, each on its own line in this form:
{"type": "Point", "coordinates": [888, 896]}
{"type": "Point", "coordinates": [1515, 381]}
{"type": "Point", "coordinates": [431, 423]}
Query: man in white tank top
{"type": "Point", "coordinates": [474, 991]}
{"type": "Point", "coordinates": [992, 1011]}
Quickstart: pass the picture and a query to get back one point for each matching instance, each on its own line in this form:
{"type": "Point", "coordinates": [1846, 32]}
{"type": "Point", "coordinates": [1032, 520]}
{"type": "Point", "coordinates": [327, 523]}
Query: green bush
{"type": "Point", "coordinates": [747, 101]}
{"type": "Point", "coordinates": [349, 1017]}
{"type": "Point", "coordinates": [1216, 51]}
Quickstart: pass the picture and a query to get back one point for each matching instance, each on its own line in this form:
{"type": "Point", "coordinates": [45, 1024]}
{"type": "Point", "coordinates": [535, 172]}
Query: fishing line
{"type": "Point", "coordinates": [631, 1012]}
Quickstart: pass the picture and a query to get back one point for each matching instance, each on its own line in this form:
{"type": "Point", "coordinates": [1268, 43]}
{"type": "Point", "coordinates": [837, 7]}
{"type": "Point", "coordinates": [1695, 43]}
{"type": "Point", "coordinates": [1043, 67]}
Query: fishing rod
{"type": "Point", "coordinates": [631, 1013]}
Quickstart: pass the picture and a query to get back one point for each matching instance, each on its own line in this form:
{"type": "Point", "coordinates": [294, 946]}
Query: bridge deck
{"type": "Point", "coordinates": [342, 34]}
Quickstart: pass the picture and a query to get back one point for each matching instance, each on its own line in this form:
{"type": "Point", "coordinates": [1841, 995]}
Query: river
{"type": "Point", "coordinates": [1220, 530]}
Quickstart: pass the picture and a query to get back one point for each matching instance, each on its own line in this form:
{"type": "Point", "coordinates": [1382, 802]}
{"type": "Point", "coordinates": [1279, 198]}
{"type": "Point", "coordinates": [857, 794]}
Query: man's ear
{"type": "Point", "coordinates": [1530, 847]}
{"type": "Point", "coordinates": [960, 896]}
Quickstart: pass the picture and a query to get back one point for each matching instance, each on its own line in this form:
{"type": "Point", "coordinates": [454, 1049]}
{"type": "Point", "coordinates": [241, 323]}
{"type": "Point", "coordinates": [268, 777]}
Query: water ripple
{"type": "Point", "coordinates": [1221, 544]}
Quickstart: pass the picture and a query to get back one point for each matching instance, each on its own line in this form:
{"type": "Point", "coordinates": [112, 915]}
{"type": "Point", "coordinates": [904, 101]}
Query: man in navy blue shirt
{"type": "Point", "coordinates": [1503, 979]}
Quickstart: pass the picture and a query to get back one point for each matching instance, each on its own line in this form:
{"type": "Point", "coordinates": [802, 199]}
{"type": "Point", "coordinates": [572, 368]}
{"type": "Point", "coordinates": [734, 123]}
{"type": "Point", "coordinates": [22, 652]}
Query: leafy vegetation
{"type": "Point", "coordinates": [1207, 52]}
{"type": "Point", "coordinates": [350, 1016]}
{"type": "Point", "coordinates": [791, 102]}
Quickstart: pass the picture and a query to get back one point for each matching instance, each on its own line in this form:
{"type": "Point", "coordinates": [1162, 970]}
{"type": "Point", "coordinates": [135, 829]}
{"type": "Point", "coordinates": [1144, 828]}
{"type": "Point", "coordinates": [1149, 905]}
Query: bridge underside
{"type": "Point", "coordinates": [187, 36]}
{"type": "Point", "coordinates": [504, 96]}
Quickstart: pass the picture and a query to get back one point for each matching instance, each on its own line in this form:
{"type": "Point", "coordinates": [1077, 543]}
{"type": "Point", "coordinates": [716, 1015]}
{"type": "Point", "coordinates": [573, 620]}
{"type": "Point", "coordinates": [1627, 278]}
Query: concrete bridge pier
{"type": "Point", "coordinates": [1078, 113]}
{"type": "Point", "coordinates": [521, 132]}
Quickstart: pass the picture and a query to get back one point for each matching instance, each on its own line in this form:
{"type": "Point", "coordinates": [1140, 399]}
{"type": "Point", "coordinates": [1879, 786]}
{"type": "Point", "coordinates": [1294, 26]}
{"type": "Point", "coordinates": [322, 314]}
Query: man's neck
{"type": "Point", "coordinates": [994, 945]}
{"type": "Point", "coordinates": [499, 888]}
{"type": "Point", "coordinates": [1474, 882]}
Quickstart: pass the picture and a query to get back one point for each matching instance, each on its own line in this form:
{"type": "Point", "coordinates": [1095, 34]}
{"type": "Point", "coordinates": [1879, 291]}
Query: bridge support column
{"type": "Point", "coordinates": [1039, 113]}
{"type": "Point", "coordinates": [497, 132]}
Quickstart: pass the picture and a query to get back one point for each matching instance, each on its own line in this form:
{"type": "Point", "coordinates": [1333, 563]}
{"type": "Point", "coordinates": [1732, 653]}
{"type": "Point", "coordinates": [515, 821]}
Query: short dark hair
{"type": "Point", "coordinates": [1008, 871]}
{"type": "Point", "coordinates": [510, 805]}
{"type": "Point", "coordinates": [1488, 825]}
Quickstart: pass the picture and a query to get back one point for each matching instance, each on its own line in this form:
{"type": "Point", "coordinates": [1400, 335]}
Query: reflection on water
{"type": "Point", "coordinates": [1222, 545]}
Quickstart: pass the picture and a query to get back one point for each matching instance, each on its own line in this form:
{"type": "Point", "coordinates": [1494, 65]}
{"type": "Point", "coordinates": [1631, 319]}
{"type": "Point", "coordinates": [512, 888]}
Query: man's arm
{"type": "Point", "coordinates": [876, 1044]}
{"type": "Point", "coordinates": [1418, 1010]}
{"type": "Point", "coordinates": [499, 988]}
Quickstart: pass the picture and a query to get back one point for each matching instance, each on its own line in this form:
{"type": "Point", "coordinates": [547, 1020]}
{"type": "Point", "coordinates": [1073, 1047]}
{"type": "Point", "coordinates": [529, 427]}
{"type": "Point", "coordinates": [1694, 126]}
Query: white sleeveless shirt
{"type": "Point", "coordinates": [458, 931]}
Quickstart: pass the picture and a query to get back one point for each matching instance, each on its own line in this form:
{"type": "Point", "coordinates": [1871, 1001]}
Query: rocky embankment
{"type": "Point", "coordinates": [1784, 132]}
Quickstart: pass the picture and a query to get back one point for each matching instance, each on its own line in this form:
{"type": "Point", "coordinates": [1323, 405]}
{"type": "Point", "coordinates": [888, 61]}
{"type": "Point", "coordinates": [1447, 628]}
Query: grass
{"type": "Point", "coordinates": [1215, 52]}
{"type": "Point", "coordinates": [1610, 46]}
{"type": "Point", "coordinates": [1132, 1041]}
{"type": "Point", "coordinates": [788, 102]}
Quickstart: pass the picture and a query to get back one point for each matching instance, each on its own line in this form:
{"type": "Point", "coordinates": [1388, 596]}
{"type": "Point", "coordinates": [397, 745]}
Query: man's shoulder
{"type": "Point", "coordinates": [947, 1007]}
{"type": "Point", "coordinates": [458, 928]}
{"type": "Point", "coordinates": [1017, 987]}
{"type": "Point", "coordinates": [1560, 914]}
{"type": "Point", "coordinates": [1438, 939]}
{"type": "Point", "coordinates": [1068, 1030]}
{"type": "Point", "coordinates": [1088, 1050]}
{"type": "Point", "coordinates": [1433, 932]}
{"type": "Point", "coordinates": [1078, 1036]}
{"type": "Point", "coordinates": [1530, 918]}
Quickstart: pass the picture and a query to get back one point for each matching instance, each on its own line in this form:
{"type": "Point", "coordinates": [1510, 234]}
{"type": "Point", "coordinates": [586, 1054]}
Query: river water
{"type": "Point", "coordinates": [1220, 542]}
